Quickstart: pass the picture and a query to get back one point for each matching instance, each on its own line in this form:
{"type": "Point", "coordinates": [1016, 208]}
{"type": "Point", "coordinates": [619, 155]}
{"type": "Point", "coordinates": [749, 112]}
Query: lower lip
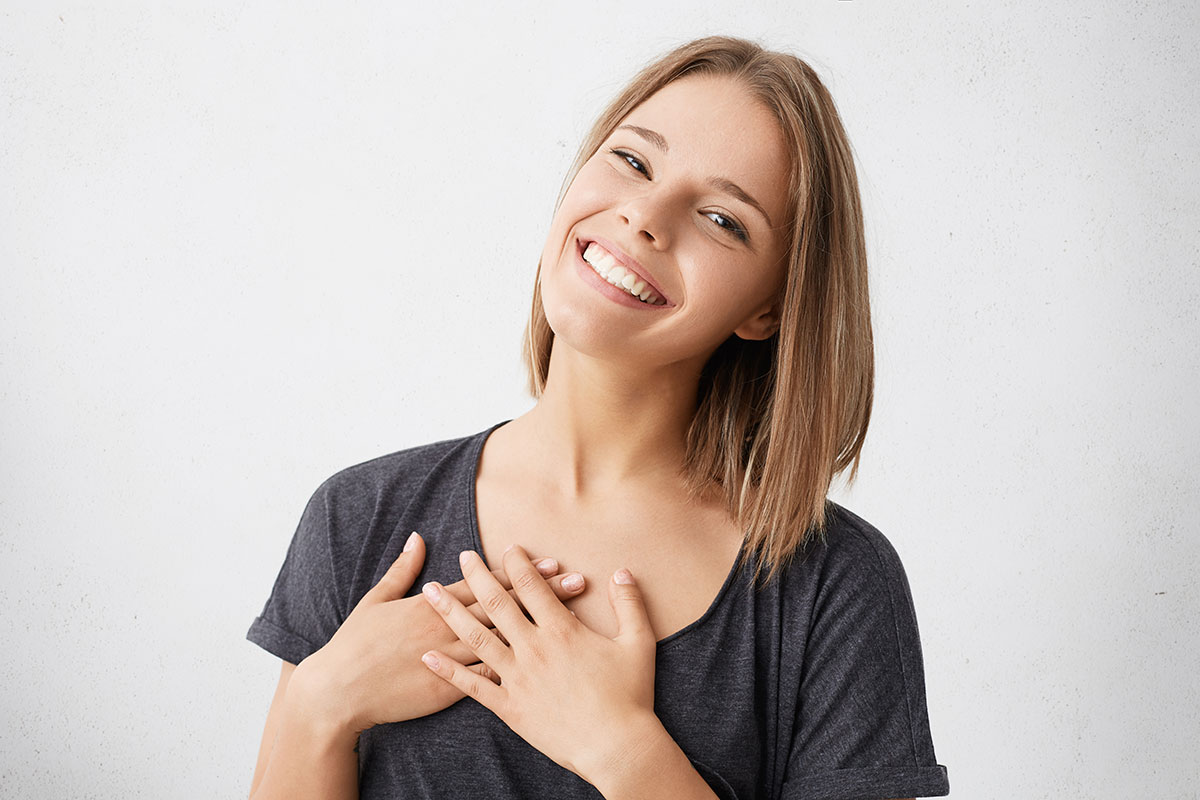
{"type": "Point", "coordinates": [605, 288]}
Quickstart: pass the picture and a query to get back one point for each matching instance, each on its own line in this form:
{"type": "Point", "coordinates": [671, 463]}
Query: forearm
{"type": "Point", "coordinates": [311, 757]}
{"type": "Point", "coordinates": [653, 766]}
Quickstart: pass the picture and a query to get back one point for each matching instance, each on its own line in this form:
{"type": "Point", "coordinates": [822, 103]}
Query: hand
{"type": "Point", "coordinates": [579, 697]}
{"type": "Point", "coordinates": [370, 671]}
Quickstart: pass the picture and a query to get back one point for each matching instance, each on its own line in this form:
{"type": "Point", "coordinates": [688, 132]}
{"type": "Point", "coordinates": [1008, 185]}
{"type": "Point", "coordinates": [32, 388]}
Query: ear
{"type": "Point", "coordinates": [762, 324]}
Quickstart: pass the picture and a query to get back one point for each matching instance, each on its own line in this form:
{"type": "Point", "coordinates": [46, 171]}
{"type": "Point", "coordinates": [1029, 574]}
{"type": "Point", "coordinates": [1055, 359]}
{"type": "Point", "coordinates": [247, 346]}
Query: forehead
{"type": "Point", "coordinates": [714, 126]}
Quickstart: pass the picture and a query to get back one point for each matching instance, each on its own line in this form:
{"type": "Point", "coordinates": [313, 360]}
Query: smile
{"type": "Point", "coordinates": [604, 264]}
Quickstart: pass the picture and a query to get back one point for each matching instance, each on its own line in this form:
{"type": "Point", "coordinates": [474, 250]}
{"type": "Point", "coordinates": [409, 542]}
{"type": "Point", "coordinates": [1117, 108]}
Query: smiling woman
{"type": "Point", "coordinates": [638, 588]}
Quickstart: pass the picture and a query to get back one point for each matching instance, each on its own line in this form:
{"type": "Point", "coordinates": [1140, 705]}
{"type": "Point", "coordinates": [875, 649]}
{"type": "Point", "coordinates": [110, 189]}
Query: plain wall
{"type": "Point", "coordinates": [243, 246]}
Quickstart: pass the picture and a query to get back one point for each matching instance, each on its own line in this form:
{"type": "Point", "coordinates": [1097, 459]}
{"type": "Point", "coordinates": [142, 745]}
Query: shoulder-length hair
{"type": "Point", "coordinates": [777, 419]}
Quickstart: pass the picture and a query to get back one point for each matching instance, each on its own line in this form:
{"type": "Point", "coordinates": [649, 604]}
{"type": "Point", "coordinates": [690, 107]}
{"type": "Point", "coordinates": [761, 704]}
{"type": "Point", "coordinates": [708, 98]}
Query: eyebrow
{"type": "Point", "coordinates": [653, 137]}
{"type": "Point", "coordinates": [724, 184]}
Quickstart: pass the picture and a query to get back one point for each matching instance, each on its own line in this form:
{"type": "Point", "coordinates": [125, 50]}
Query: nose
{"type": "Point", "coordinates": [647, 216]}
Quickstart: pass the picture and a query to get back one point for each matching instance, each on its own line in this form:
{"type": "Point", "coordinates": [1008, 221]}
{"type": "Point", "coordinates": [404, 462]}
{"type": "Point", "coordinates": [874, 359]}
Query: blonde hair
{"type": "Point", "coordinates": [779, 418]}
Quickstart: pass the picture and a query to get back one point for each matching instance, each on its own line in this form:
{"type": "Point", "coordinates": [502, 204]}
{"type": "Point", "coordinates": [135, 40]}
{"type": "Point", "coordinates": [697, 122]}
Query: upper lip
{"type": "Point", "coordinates": [625, 260]}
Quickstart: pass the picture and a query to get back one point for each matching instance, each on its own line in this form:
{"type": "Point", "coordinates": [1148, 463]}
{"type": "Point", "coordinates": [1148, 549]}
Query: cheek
{"type": "Point", "coordinates": [591, 192]}
{"type": "Point", "coordinates": [593, 188]}
{"type": "Point", "coordinates": [723, 298]}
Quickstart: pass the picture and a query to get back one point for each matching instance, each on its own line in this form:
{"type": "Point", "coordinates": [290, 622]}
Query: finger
{"type": "Point", "coordinates": [484, 671]}
{"type": "Point", "coordinates": [466, 680]}
{"type": "Point", "coordinates": [567, 586]}
{"type": "Point", "coordinates": [564, 586]}
{"type": "Point", "coordinates": [401, 574]}
{"type": "Point", "coordinates": [470, 631]}
{"type": "Point", "coordinates": [457, 650]}
{"type": "Point", "coordinates": [633, 621]}
{"type": "Point", "coordinates": [543, 605]}
{"type": "Point", "coordinates": [501, 608]}
{"type": "Point", "coordinates": [460, 589]}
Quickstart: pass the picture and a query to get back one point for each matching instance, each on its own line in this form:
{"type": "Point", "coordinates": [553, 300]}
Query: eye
{"type": "Point", "coordinates": [732, 225]}
{"type": "Point", "coordinates": [632, 160]}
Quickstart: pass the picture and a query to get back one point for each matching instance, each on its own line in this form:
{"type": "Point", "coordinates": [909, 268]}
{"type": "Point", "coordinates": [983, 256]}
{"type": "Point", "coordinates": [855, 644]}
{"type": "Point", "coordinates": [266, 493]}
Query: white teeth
{"type": "Point", "coordinates": [598, 257]}
{"type": "Point", "coordinates": [607, 267]}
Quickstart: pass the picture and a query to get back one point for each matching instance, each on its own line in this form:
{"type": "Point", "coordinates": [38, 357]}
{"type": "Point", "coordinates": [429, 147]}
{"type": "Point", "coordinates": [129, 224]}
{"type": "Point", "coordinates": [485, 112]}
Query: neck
{"type": "Point", "coordinates": [600, 425]}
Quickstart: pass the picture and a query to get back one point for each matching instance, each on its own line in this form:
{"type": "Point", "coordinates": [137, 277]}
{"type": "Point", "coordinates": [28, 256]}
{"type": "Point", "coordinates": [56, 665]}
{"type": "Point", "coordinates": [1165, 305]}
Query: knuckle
{"type": "Point", "coordinates": [476, 639]}
{"type": "Point", "coordinates": [495, 601]}
{"type": "Point", "coordinates": [526, 580]}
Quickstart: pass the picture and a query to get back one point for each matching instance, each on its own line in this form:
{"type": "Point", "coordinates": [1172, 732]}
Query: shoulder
{"type": "Point", "coordinates": [850, 572]}
{"type": "Point", "coordinates": [853, 544]}
{"type": "Point", "coordinates": [360, 515]}
{"type": "Point", "coordinates": [395, 476]}
{"type": "Point", "coordinates": [359, 509]}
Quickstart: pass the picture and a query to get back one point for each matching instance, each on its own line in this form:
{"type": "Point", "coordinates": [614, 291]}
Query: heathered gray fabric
{"type": "Point", "coordinates": [812, 688]}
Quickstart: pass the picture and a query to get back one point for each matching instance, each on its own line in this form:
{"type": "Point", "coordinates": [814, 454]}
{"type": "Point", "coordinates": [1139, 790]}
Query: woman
{"type": "Point", "coordinates": [700, 351]}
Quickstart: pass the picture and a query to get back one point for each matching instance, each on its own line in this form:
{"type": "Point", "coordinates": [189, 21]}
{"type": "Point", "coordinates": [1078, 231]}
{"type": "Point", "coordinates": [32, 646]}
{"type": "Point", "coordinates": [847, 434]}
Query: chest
{"type": "Point", "coordinates": [680, 553]}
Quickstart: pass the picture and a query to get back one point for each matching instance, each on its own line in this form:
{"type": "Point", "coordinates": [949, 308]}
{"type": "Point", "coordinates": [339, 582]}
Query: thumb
{"type": "Point", "coordinates": [633, 621]}
{"type": "Point", "coordinates": [401, 574]}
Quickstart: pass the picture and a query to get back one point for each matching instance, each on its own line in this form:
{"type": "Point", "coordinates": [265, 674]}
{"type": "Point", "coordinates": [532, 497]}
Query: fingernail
{"type": "Point", "coordinates": [432, 591]}
{"type": "Point", "coordinates": [623, 576]}
{"type": "Point", "coordinates": [431, 660]}
{"type": "Point", "coordinates": [410, 542]}
{"type": "Point", "coordinates": [547, 566]}
{"type": "Point", "coordinates": [573, 582]}
{"type": "Point", "coordinates": [463, 557]}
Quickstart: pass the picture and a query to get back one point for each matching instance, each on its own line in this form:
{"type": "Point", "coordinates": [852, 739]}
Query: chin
{"type": "Point", "coordinates": [575, 327]}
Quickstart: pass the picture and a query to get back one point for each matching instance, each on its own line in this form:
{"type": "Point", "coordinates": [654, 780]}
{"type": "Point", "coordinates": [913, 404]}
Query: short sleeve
{"type": "Point", "coordinates": [303, 611]}
{"type": "Point", "coordinates": [862, 727]}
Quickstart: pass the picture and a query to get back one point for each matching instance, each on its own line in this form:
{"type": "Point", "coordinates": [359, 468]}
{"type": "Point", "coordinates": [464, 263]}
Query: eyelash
{"type": "Point", "coordinates": [737, 230]}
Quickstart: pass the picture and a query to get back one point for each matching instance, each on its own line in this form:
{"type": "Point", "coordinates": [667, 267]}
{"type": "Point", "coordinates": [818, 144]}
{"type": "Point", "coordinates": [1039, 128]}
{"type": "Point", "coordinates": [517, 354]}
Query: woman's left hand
{"type": "Point", "coordinates": [584, 700]}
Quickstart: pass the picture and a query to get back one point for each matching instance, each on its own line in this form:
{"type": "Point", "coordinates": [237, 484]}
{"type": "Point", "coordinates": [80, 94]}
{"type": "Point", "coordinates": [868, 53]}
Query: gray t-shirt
{"type": "Point", "coordinates": [812, 687]}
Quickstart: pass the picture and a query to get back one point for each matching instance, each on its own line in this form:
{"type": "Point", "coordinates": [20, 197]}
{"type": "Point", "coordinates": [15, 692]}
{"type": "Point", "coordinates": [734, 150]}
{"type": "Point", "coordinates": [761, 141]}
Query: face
{"type": "Point", "coordinates": [685, 202]}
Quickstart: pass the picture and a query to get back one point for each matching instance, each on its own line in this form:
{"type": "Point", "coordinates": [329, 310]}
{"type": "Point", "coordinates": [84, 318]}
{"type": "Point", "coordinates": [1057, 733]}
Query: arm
{"type": "Point", "coordinates": [272, 726]}
{"type": "Point", "coordinates": [301, 756]}
{"type": "Point", "coordinates": [652, 766]}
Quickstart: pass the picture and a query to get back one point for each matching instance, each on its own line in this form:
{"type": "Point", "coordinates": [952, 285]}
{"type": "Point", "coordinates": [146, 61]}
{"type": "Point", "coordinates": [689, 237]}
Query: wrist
{"type": "Point", "coordinates": [627, 758]}
{"type": "Point", "coordinates": [314, 704]}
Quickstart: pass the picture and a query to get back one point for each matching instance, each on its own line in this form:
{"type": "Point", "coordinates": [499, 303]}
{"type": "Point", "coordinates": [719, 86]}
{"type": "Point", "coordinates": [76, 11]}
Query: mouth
{"type": "Point", "coordinates": [606, 261]}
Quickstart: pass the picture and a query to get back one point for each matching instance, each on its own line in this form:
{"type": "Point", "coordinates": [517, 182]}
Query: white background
{"type": "Point", "coordinates": [243, 246]}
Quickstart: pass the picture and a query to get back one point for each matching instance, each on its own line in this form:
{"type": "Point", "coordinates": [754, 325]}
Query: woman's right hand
{"type": "Point", "coordinates": [371, 671]}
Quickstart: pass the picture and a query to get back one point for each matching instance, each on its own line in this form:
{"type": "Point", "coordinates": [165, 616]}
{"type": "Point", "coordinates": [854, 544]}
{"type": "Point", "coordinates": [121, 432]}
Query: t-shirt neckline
{"type": "Point", "coordinates": [476, 542]}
